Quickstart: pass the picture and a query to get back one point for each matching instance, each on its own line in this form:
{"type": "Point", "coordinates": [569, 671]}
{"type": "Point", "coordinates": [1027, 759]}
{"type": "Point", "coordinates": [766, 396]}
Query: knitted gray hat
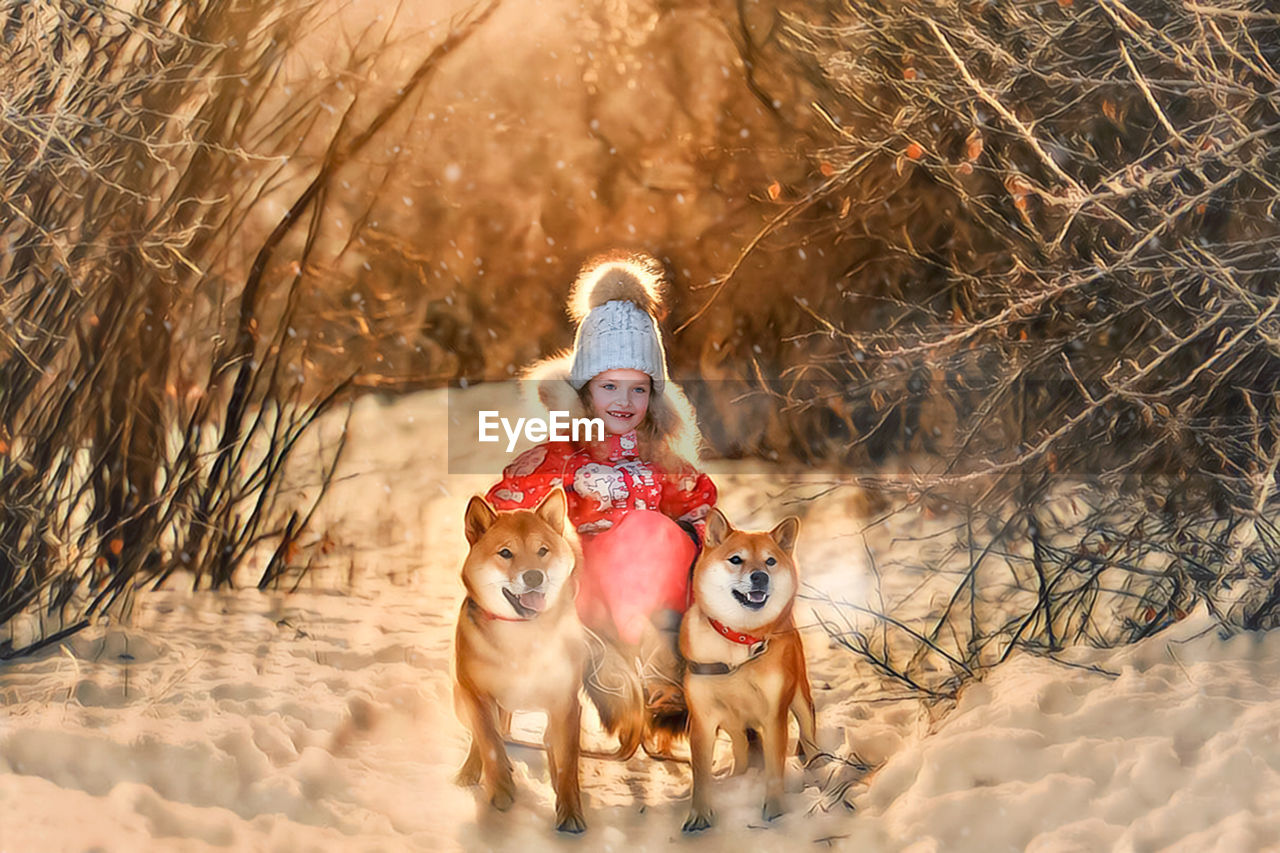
{"type": "Point", "coordinates": [614, 301]}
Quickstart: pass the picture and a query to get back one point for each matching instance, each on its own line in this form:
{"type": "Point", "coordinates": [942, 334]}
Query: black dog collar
{"type": "Point", "coordinates": [720, 667]}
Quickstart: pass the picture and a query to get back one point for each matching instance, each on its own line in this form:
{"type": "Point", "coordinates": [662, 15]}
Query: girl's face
{"type": "Point", "coordinates": [621, 398]}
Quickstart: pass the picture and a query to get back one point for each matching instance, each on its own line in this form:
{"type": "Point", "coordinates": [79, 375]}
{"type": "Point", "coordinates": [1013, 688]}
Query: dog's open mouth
{"type": "Point", "coordinates": [526, 605]}
{"type": "Point", "coordinates": [752, 600]}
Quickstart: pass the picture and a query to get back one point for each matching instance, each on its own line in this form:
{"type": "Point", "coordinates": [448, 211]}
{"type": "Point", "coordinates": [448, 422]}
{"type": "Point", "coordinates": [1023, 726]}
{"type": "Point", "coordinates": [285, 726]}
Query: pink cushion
{"type": "Point", "coordinates": [635, 568]}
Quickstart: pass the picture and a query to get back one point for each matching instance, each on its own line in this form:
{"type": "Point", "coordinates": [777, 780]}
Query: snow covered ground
{"type": "Point", "coordinates": [322, 718]}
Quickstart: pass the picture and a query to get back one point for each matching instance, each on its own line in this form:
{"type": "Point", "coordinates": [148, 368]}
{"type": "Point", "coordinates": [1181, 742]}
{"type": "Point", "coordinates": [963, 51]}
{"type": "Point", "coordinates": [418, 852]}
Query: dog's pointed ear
{"type": "Point", "coordinates": [718, 529]}
{"type": "Point", "coordinates": [552, 509]}
{"type": "Point", "coordinates": [479, 518]}
{"type": "Point", "coordinates": [785, 533]}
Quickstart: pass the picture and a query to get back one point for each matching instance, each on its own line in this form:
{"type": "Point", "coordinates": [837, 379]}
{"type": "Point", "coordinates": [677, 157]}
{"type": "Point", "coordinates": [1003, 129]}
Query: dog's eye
{"type": "Point", "coordinates": [770, 561]}
{"type": "Point", "coordinates": [736, 560]}
{"type": "Point", "coordinates": [505, 553]}
{"type": "Point", "coordinates": [542, 552]}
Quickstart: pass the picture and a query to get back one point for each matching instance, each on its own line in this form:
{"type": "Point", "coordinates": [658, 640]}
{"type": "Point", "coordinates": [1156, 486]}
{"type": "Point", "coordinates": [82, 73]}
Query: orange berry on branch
{"type": "Point", "coordinates": [973, 145]}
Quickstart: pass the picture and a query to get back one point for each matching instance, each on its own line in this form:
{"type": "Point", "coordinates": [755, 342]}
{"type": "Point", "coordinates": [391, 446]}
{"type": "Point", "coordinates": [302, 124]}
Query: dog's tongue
{"type": "Point", "coordinates": [756, 596]}
{"type": "Point", "coordinates": [534, 601]}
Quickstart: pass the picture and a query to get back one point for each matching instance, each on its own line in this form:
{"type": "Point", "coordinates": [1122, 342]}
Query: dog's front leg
{"type": "Point", "coordinates": [487, 741]}
{"type": "Point", "coordinates": [773, 741]}
{"type": "Point", "coordinates": [741, 751]}
{"type": "Point", "coordinates": [702, 743]}
{"type": "Point", "coordinates": [470, 773]}
{"type": "Point", "coordinates": [563, 733]}
{"type": "Point", "coordinates": [802, 709]}
{"type": "Point", "coordinates": [504, 723]}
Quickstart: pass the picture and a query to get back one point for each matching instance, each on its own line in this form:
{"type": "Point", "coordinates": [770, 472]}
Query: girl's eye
{"type": "Point", "coordinates": [608, 386]}
{"type": "Point", "coordinates": [542, 552]}
{"type": "Point", "coordinates": [640, 389]}
{"type": "Point", "coordinates": [770, 561]}
{"type": "Point", "coordinates": [505, 553]}
{"type": "Point", "coordinates": [736, 560]}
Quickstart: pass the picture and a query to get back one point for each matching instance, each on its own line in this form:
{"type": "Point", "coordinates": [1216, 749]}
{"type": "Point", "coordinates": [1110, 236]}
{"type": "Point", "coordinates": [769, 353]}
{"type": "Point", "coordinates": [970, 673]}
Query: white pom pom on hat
{"type": "Point", "coordinates": [616, 301]}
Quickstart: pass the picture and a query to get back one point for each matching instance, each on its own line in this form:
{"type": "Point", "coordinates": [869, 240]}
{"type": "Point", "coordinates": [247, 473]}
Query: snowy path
{"type": "Point", "coordinates": [325, 721]}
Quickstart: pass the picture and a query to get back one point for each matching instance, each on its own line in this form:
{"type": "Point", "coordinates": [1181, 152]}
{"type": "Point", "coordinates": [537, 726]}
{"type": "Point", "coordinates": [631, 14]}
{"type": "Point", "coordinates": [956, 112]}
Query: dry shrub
{"type": "Point", "coordinates": [1061, 231]}
{"type": "Point", "coordinates": [163, 188]}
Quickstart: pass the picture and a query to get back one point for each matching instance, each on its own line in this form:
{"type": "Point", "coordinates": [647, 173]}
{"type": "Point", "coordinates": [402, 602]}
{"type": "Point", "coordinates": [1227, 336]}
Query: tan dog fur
{"type": "Point", "coordinates": [760, 691]}
{"type": "Point", "coordinates": [510, 658]}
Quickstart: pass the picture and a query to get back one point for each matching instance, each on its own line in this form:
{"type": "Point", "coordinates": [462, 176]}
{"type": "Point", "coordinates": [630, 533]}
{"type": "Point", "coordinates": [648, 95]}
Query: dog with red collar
{"type": "Point", "coordinates": [744, 660]}
{"type": "Point", "coordinates": [520, 647]}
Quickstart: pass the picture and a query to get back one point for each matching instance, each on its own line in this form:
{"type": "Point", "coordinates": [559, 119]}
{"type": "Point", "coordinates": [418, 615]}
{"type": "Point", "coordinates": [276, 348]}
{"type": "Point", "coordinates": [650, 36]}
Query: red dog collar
{"type": "Point", "coordinates": [735, 636]}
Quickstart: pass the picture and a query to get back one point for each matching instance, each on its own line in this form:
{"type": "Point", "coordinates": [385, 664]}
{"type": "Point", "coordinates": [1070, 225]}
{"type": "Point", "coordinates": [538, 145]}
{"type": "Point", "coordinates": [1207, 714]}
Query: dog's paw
{"type": "Point", "coordinates": [697, 822]}
{"type": "Point", "coordinates": [772, 809]}
{"type": "Point", "coordinates": [571, 823]}
{"type": "Point", "coordinates": [502, 798]}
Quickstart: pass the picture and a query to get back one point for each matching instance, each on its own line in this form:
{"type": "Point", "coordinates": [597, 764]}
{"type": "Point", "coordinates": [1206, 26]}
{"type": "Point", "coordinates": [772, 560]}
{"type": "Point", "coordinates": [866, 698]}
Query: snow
{"type": "Point", "coordinates": [323, 718]}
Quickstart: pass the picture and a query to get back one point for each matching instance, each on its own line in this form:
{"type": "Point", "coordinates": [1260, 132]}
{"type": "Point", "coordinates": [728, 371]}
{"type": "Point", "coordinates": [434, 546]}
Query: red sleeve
{"type": "Point", "coordinates": [528, 479]}
{"type": "Point", "coordinates": [688, 497]}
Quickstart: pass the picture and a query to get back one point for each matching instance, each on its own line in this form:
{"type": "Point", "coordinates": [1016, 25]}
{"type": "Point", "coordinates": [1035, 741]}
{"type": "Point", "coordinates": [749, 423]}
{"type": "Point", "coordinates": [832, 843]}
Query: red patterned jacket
{"type": "Point", "coordinates": [600, 493]}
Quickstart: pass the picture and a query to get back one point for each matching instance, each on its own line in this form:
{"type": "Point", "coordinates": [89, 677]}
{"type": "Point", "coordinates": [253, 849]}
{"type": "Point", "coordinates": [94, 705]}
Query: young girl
{"type": "Point", "coordinates": [636, 498]}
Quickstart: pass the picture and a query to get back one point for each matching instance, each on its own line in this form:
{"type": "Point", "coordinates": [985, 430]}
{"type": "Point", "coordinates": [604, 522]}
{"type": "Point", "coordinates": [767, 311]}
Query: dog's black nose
{"type": "Point", "coordinates": [532, 578]}
{"type": "Point", "coordinates": [759, 580]}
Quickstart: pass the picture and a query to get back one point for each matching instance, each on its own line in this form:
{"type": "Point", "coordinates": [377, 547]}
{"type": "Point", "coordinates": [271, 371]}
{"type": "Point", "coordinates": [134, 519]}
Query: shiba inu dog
{"type": "Point", "coordinates": [744, 662]}
{"type": "Point", "coordinates": [520, 646]}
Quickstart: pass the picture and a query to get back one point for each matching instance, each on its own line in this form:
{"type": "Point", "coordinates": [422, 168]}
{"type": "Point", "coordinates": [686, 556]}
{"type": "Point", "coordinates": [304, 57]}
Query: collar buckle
{"type": "Point", "coordinates": [740, 637]}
